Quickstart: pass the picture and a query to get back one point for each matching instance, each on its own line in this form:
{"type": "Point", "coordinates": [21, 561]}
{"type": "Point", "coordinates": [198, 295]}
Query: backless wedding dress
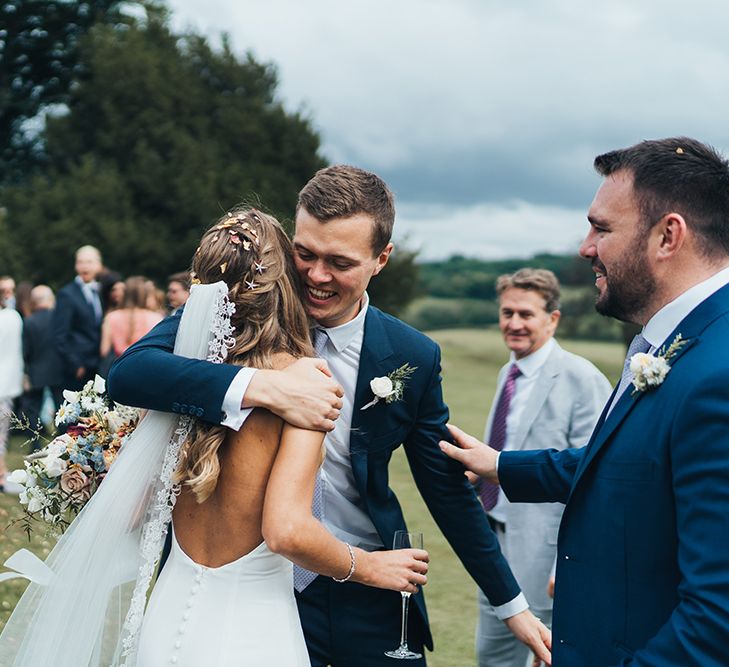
{"type": "Point", "coordinates": [242, 613]}
{"type": "Point", "coordinates": [85, 606]}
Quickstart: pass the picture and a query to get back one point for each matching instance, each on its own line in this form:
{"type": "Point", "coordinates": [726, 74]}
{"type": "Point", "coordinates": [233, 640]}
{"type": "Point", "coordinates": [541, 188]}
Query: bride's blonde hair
{"type": "Point", "coordinates": [251, 252]}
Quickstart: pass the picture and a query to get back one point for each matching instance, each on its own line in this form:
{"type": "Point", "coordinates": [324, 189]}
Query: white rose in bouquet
{"type": "Point", "coordinates": [99, 385]}
{"type": "Point", "coordinates": [19, 476]}
{"type": "Point", "coordinates": [54, 466]}
{"type": "Point", "coordinates": [114, 421]}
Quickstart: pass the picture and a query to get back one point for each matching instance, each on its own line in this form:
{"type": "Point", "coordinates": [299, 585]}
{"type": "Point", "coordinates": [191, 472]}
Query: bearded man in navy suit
{"type": "Point", "coordinates": [344, 221]}
{"type": "Point", "coordinates": [643, 549]}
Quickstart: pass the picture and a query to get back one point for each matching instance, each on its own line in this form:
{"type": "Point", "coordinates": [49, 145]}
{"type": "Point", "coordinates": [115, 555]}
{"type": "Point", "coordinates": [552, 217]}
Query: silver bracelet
{"type": "Point", "coordinates": [352, 566]}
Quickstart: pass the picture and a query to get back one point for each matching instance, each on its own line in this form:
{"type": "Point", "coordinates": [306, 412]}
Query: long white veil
{"type": "Point", "coordinates": [85, 606]}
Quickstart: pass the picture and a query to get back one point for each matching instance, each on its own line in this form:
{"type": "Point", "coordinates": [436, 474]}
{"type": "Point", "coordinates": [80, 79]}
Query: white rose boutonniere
{"type": "Point", "coordinates": [650, 371]}
{"type": "Point", "coordinates": [390, 387]}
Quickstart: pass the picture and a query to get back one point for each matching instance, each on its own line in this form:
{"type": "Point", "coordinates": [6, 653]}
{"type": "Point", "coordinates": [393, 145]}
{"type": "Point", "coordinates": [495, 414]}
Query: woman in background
{"type": "Point", "coordinates": [11, 374]}
{"type": "Point", "coordinates": [129, 323]}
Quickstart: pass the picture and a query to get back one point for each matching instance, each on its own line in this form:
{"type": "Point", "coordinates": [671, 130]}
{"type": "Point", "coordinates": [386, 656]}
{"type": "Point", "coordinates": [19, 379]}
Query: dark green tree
{"type": "Point", "coordinates": [39, 63]}
{"type": "Point", "coordinates": [397, 284]}
{"type": "Point", "coordinates": [162, 134]}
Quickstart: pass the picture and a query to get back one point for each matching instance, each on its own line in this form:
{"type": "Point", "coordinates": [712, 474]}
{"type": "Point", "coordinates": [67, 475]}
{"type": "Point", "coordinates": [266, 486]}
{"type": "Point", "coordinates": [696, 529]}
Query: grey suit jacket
{"type": "Point", "coordinates": [561, 412]}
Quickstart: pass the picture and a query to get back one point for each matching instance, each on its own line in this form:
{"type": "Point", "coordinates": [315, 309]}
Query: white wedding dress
{"type": "Point", "coordinates": [85, 606]}
{"type": "Point", "coordinates": [242, 613]}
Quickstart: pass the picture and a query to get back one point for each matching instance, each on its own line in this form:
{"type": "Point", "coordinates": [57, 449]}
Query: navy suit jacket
{"type": "Point", "coordinates": [643, 553]}
{"type": "Point", "coordinates": [42, 363]}
{"type": "Point", "coordinates": [148, 375]}
{"type": "Point", "coordinates": [76, 331]}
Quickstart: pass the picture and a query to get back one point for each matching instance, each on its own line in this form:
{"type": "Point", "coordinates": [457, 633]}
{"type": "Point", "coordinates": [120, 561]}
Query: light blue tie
{"type": "Point", "coordinates": [638, 344]}
{"type": "Point", "coordinates": [302, 577]}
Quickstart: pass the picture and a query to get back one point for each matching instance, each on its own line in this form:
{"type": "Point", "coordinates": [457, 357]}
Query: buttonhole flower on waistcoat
{"type": "Point", "coordinates": [390, 387]}
{"type": "Point", "coordinates": [650, 371]}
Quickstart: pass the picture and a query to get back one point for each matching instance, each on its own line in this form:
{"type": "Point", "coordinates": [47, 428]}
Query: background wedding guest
{"type": "Point", "coordinates": [643, 549]}
{"type": "Point", "coordinates": [7, 291]}
{"type": "Point", "coordinates": [11, 373]}
{"type": "Point", "coordinates": [134, 319]}
{"type": "Point", "coordinates": [155, 298]}
{"type": "Point", "coordinates": [111, 289]}
{"type": "Point", "coordinates": [178, 290]}
{"type": "Point", "coordinates": [22, 298]}
{"type": "Point", "coordinates": [77, 321]}
{"type": "Point", "coordinates": [42, 363]}
{"type": "Point", "coordinates": [545, 397]}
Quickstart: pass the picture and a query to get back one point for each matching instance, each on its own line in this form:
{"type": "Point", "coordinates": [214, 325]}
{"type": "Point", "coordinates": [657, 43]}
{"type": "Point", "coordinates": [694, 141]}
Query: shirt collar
{"type": "Point", "coordinates": [660, 326]}
{"type": "Point", "coordinates": [344, 334]}
{"type": "Point", "coordinates": [91, 285]}
{"type": "Point", "coordinates": [531, 364]}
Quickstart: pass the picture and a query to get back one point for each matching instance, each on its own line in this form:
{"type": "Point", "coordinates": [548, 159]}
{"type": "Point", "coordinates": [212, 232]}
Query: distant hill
{"type": "Point", "coordinates": [461, 292]}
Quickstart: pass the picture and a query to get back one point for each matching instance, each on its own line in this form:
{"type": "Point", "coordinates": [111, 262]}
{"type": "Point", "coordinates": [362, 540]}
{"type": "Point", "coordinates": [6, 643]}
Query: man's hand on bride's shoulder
{"type": "Point", "coordinates": [303, 394]}
{"type": "Point", "coordinates": [397, 570]}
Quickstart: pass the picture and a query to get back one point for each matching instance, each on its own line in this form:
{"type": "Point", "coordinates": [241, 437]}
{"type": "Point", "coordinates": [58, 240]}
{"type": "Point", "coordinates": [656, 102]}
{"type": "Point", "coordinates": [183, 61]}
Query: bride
{"type": "Point", "coordinates": [238, 503]}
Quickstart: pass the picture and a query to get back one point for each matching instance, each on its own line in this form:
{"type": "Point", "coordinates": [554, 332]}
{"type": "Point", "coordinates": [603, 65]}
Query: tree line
{"type": "Point", "coordinates": [118, 131]}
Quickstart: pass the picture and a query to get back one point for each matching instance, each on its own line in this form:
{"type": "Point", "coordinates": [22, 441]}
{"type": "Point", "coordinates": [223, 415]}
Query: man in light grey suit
{"type": "Point", "coordinates": [546, 397]}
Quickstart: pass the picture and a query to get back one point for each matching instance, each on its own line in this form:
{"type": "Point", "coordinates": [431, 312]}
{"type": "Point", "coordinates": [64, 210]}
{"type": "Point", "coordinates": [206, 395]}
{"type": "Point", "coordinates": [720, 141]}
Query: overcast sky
{"type": "Point", "coordinates": [484, 116]}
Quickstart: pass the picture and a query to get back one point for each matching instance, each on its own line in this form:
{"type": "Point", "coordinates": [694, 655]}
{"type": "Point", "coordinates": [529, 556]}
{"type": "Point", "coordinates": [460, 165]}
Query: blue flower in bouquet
{"type": "Point", "coordinates": [77, 457]}
{"type": "Point", "coordinates": [97, 458]}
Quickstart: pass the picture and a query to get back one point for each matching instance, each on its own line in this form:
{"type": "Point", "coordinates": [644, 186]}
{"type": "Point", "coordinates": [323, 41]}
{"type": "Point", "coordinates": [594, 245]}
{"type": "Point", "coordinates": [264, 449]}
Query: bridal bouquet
{"type": "Point", "coordinates": [59, 480]}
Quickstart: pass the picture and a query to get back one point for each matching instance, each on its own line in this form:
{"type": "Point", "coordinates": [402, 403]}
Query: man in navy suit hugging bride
{"type": "Point", "coordinates": [344, 222]}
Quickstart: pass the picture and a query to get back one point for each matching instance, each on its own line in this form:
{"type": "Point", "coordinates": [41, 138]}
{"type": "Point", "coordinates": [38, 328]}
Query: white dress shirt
{"type": "Point", "coordinates": [343, 511]}
{"type": "Point", "coordinates": [530, 367]}
{"type": "Point", "coordinates": [90, 291]}
{"type": "Point", "coordinates": [660, 326]}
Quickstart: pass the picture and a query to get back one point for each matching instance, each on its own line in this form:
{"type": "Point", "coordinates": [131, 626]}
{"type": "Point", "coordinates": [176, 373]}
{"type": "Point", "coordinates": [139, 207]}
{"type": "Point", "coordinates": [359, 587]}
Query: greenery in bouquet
{"type": "Point", "coordinates": [58, 480]}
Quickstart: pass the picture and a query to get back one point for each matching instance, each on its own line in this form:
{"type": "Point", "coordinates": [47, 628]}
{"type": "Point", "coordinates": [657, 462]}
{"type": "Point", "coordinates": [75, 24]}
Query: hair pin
{"type": "Point", "coordinates": [251, 285]}
{"type": "Point", "coordinates": [259, 267]}
{"type": "Point", "coordinates": [223, 266]}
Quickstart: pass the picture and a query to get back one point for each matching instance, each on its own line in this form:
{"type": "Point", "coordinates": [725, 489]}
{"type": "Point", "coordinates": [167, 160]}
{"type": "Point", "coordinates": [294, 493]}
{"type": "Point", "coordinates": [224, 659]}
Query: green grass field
{"type": "Point", "coordinates": [471, 360]}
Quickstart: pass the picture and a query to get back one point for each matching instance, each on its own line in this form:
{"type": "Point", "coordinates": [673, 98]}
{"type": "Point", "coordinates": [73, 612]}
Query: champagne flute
{"type": "Point", "coordinates": [405, 540]}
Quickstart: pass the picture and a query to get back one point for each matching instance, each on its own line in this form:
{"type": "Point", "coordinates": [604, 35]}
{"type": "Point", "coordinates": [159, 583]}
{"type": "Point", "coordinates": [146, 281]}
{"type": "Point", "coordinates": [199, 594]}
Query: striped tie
{"type": "Point", "coordinates": [302, 577]}
{"type": "Point", "coordinates": [490, 492]}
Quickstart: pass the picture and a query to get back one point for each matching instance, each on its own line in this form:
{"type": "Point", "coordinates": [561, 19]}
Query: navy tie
{"type": "Point", "coordinates": [490, 492]}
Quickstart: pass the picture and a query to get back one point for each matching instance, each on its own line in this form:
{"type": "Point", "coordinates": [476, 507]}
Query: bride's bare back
{"type": "Point", "coordinates": [228, 524]}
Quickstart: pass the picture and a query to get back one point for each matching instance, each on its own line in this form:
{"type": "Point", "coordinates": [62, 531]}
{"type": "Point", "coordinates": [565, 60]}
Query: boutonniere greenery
{"type": "Point", "coordinates": [390, 387]}
{"type": "Point", "coordinates": [649, 371]}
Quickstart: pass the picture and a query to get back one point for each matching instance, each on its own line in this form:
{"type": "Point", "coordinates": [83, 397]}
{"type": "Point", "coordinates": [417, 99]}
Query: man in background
{"type": "Point", "coordinates": [42, 363]}
{"type": "Point", "coordinates": [545, 397]}
{"type": "Point", "coordinates": [77, 321]}
{"type": "Point", "coordinates": [178, 290]}
{"type": "Point", "coordinates": [7, 291]}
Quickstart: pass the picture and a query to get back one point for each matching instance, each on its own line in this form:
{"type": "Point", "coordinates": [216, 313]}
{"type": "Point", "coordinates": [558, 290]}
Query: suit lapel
{"type": "Point", "coordinates": [376, 350]}
{"type": "Point", "coordinates": [82, 299]}
{"type": "Point", "coordinates": [690, 329]}
{"type": "Point", "coordinates": [540, 391]}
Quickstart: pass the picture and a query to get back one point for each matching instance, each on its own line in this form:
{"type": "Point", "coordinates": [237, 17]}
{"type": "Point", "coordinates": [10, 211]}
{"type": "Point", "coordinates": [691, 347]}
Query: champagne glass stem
{"type": "Point", "coordinates": [404, 629]}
